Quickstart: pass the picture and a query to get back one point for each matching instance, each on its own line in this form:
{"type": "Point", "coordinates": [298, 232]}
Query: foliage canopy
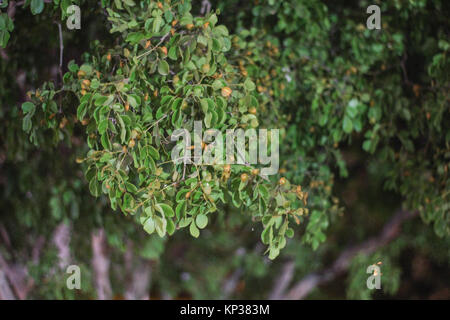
{"type": "Point", "coordinates": [343, 96]}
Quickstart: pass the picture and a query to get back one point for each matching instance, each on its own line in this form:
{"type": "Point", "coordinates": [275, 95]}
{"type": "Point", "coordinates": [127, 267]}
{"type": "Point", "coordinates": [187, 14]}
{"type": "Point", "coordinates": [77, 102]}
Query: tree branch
{"type": "Point", "coordinates": [61, 53]}
{"type": "Point", "coordinates": [61, 239]}
{"type": "Point", "coordinates": [390, 231]}
{"type": "Point", "coordinates": [16, 276]}
{"type": "Point", "coordinates": [5, 290]}
{"type": "Point", "coordinates": [100, 265]}
{"type": "Point", "coordinates": [139, 275]}
{"type": "Point", "coordinates": [283, 281]}
{"type": "Point", "coordinates": [206, 7]}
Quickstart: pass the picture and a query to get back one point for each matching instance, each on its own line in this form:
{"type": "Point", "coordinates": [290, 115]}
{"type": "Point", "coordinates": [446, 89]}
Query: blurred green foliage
{"type": "Point", "coordinates": [364, 132]}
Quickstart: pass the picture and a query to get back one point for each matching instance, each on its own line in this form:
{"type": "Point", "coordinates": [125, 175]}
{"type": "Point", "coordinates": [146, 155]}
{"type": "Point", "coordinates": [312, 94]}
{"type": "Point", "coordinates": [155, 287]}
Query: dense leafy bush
{"type": "Point", "coordinates": [358, 110]}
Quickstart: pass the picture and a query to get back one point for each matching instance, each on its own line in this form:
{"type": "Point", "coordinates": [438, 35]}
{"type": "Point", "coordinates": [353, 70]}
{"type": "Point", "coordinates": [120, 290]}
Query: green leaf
{"type": "Point", "coordinates": [220, 31]}
{"type": "Point", "coordinates": [266, 235]}
{"type": "Point", "coordinates": [165, 209]}
{"type": "Point", "coordinates": [207, 119]}
{"type": "Point", "coordinates": [28, 107]}
{"type": "Point", "coordinates": [100, 100]}
{"type": "Point", "coordinates": [249, 85]}
{"type": "Point", "coordinates": [194, 230]}
{"type": "Point", "coordinates": [128, 201]}
{"type": "Point", "coordinates": [263, 192]}
{"type": "Point", "coordinates": [184, 222]}
{"type": "Point", "coordinates": [161, 226]}
{"type": "Point", "coordinates": [172, 53]}
{"type": "Point", "coordinates": [201, 220]}
{"type": "Point", "coordinates": [73, 67]}
{"type": "Point", "coordinates": [37, 6]}
{"type": "Point", "coordinates": [168, 16]}
{"type": "Point", "coordinates": [217, 84]}
{"type": "Point", "coordinates": [163, 68]}
{"type": "Point", "coordinates": [94, 187]}
{"type": "Point", "coordinates": [103, 126]}
{"type": "Point", "coordinates": [132, 101]}
{"type": "Point", "coordinates": [123, 130]}
{"type": "Point", "coordinates": [135, 37]}
{"type": "Point", "coordinates": [4, 38]}
{"type": "Point", "coordinates": [105, 141]}
{"type": "Point", "coordinates": [347, 125]}
{"type": "Point", "coordinates": [153, 152]}
{"type": "Point", "coordinates": [352, 108]}
{"type": "Point", "coordinates": [26, 123]}
{"type": "Point", "coordinates": [202, 40]}
{"type": "Point", "coordinates": [367, 145]}
{"type": "Point", "coordinates": [289, 232]}
{"type": "Point", "coordinates": [180, 210]}
{"type": "Point", "coordinates": [170, 227]}
{"type": "Point", "coordinates": [81, 111]}
{"type": "Point", "coordinates": [273, 253]}
{"type": "Point", "coordinates": [213, 19]}
{"type": "Point", "coordinates": [149, 226]}
{"type": "Point", "coordinates": [131, 187]}
{"type": "Point", "coordinates": [157, 24]}
{"type": "Point", "coordinates": [204, 105]}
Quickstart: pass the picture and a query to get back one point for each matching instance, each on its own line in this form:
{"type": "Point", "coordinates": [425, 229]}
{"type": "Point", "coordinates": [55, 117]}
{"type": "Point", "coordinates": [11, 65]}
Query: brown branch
{"type": "Point", "coordinates": [17, 277]}
{"type": "Point", "coordinates": [14, 275]}
{"type": "Point", "coordinates": [100, 265]}
{"type": "Point", "coordinates": [5, 237]}
{"type": "Point", "coordinates": [283, 281]}
{"type": "Point", "coordinates": [138, 287]}
{"type": "Point", "coordinates": [139, 275]}
{"type": "Point", "coordinates": [15, 281]}
{"type": "Point", "coordinates": [37, 249]}
{"type": "Point", "coordinates": [61, 239]}
{"type": "Point", "coordinates": [5, 290]}
{"type": "Point", "coordinates": [390, 231]}
{"type": "Point", "coordinates": [231, 282]}
{"type": "Point", "coordinates": [405, 73]}
{"type": "Point", "coordinates": [61, 53]}
{"type": "Point", "coordinates": [11, 11]}
{"type": "Point", "coordinates": [206, 7]}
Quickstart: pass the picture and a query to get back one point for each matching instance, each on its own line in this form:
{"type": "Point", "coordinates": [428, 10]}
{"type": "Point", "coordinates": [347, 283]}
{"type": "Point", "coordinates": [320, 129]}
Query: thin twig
{"type": "Point", "coordinates": [61, 52]}
{"type": "Point", "coordinates": [206, 7]}
{"type": "Point", "coordinates": [155, 47]}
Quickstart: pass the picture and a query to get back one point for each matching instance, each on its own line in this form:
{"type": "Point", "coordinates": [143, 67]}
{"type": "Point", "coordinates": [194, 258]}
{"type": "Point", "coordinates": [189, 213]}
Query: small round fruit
{"type": "Point", "coordinates": [226, 92]}
{"type": "Point", "coordinates": [206, 68]}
